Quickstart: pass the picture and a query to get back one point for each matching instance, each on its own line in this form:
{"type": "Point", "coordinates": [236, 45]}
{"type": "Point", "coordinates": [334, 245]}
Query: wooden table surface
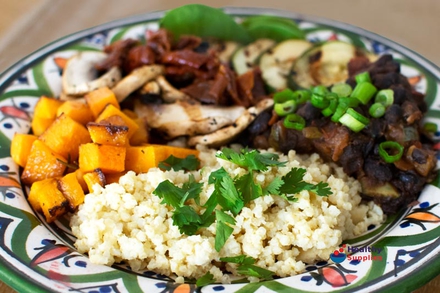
{"type": "Point", "coordinates": [26, 25]}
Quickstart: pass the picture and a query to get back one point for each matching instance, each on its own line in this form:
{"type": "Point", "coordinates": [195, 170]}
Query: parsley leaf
{"type": "Point", "coordinates": [255, 271]}
{"type": "Point", "coordinates": [222, 229]}
{"type": "Point", "coordinates": [250, 159]}
{"type": "Point", "coordinates": [190, 163]}
{"type": "Point", "coordinates": [225, 191]}
{"type": "Point", "coordinates": [248, 188]}
{"type": "Point", "coordinates": [274, 187]}
{"type": "Point", "coordinates": [230, 199]}
{"type": "Point", "coordinates": [206, 279]}
{"type": "Point", "coordinates": [169, 193]}
{"type": "Point", "coordinates": [187, 219]}
{"type": "Point", "coordinates": [294, 183]}
{"type": "Point", "coordinates": [246, 267]}
{"type": "Point", "coordinates": [240, 259]}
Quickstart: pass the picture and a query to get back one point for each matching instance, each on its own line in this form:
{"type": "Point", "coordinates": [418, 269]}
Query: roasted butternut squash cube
{"type": "Point", "coordinates": [109, 131]}
{"type": "Point", "coordinates": [108, 158]}
{"type": "Point", "coordinates": [39, 125]}
{"type": "Point", "coordinates": [34, 194]}
{"type": "Point", "coordinates": [51, 200]}
{"type": "Point", "coordinates": [99, 99]}
{"type": "Point", "coordinates": [65, 135]}
{"type": "Point", "coordinates": [42, 163]}
{"type": "Point", "coordinates": [77, 110]}
{"type": "Point", "coordinates": [80, 177]}
{"type": "Point", "coordinates": [72, 190]}
{"type": "Point", "coordinates": [114, 177]}
{"type": "Point", "coordinates": [141, 135]}
{"type": "Point", "coordinates": [177, 152]}
{"type": "Point", "coordinates": [21, 145]}
{"type": "Point", "coordinates": [141, 158]}
{"type": "Point", "coordinates": [47, 107]}
{"type": "Point", "coordinates": [93, 178]}
{"type": "Point", "coordinates": [111, 110]}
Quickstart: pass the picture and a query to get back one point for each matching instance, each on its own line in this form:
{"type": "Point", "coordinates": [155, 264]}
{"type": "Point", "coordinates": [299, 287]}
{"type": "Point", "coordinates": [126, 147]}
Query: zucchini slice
{"type": "Point", "coordinates": [225, 49]}
{"type": "Point", "coordinates": [246, 57]}
{"type": "Point", "coordinates": [324, 64]}
{"type": "Point", "coordinates": [275, 64]}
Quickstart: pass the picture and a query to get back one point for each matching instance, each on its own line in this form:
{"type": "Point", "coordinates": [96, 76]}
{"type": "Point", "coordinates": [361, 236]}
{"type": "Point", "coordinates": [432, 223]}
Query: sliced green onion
{"type": "Point", "coordinates": [358, 116]}
{"type": "Point", "coordinates": [301, 96]}
{"type": "Point", "coordinates": [319, 101]}
{"type": "Point", "coordinates": [385, 97]}
{"type": "Point", "coordinates": [342, 89]}
{"type": "Point", "coordinates": [430, 127]}
{"type": "Point", "coordinates": [361, 77]}
{"type": "Point", "coordinates": [294, 121]}
{"type": "Point", "coordinates": [364, 91]}
{"type": "Point", "coordinates": [331, 108]}
{"type": "Point", "coordinates": [282, 109]}
{"type": "Point", "coordinates": [352, 123]}
{"type": "Point", "coordinates": [349, 102]}
{"type": "Point", "coordinates": [354, 120]}
{"type": "Point", "coordinates": [283, 96]}
{"type": "Point", "coordinates": [377, 110]}
{"type": "Point", "coordinates": [386, 147]}
{"type": "Point", "coordinates": [340, 111]}
{"type": "Point", "coordinates": [320, 90]}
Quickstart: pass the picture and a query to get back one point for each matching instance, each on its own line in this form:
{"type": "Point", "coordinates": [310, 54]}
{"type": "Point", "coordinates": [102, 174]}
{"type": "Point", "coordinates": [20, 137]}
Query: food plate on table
{"type": "Point", "coordinates": [286, 66]}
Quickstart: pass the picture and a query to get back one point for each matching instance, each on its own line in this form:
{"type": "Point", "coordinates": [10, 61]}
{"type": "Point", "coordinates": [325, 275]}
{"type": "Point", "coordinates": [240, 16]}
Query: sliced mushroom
{"type": "Point", "coordinates": [184, 118]}
{"type": "Point", "coordinates": [169, 93]}
{"type": "Point", "coordinates": [137, 78]}
{"type": "Point", "coordinates": [80, 75]}
{"type": "Point", "coordinates": [224, 135]}
{"type": "Point", "coordinates": [150, 88]}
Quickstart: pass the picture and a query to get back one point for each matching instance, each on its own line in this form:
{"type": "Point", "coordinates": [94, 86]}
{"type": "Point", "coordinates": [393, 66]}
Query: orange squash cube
{"type": "Point", "coordinates": [141, 158]}
{"type": "Point", "coordinates": [39, 125]}
{"type": "Point", "coordinates": [80, 177]}
{"type": "Point", "coordinates": [77, 110]}
{"type": "Point", "coordinates": [21, 145]}
{"type": "Point", "coordinates": [50, 199]}
{"type": "Point", "coordinates": [64, 136]}
{"type": "Point", "coordinates": [108, 158]}
{"type": "Point", "coordinates": [93, 178]}
{"type": "Point", "coordinates": [110, 131]}
{"type": "Point", "coordinates": [71, 190]}
{"type": "Point", "coordinates": [114, 177]}
{"type": "Point", "coordinates": [47, 107]}
{"type": "Point", "coordinates": [111, 110]}
{"type": "Point", "coordinates": [34, 194]}
{"type": "Point", "coordinates": [42, 163]}
{"type": "Point", "coordinates": [141, 135]}
{"type": "Point", "coordinates": [99, 99]}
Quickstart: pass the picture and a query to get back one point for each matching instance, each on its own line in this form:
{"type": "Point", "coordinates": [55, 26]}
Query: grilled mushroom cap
{"type": "Point", "coordinates": [80, 75]}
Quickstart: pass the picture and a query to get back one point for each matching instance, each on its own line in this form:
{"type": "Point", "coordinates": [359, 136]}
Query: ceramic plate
{"type": "Point", "coordinates": [400, 255]}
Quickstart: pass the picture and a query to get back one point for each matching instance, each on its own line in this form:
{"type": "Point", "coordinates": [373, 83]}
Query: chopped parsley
{"type": "Point", "coordinates": [230, 195]}
{"type": "Point", "coordinates": [190, 163]}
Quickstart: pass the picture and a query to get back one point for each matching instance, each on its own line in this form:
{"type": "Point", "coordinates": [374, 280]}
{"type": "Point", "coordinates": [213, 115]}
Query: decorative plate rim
{"type": "Point", "coordinates": [12, 276]}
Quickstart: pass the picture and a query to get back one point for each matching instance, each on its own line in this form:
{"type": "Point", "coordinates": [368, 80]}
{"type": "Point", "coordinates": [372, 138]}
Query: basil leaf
{"type": "Point", "coordinates": [203, 21]}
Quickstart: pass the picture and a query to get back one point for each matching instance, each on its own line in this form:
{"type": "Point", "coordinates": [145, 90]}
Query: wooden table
{"type": "Point", "coordinates": [26, 25]}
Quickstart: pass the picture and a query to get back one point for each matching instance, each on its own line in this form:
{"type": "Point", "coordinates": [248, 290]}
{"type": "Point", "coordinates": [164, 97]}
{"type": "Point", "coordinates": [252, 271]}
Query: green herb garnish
{"type": "Point", "coordinates": [190, 163]}
{"type": "Point", "coordinates": [230, 195]}
{"type": "Point", "coordinates": [206, 279]}
{"type": "Point", "coordinates": [246, 267]}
